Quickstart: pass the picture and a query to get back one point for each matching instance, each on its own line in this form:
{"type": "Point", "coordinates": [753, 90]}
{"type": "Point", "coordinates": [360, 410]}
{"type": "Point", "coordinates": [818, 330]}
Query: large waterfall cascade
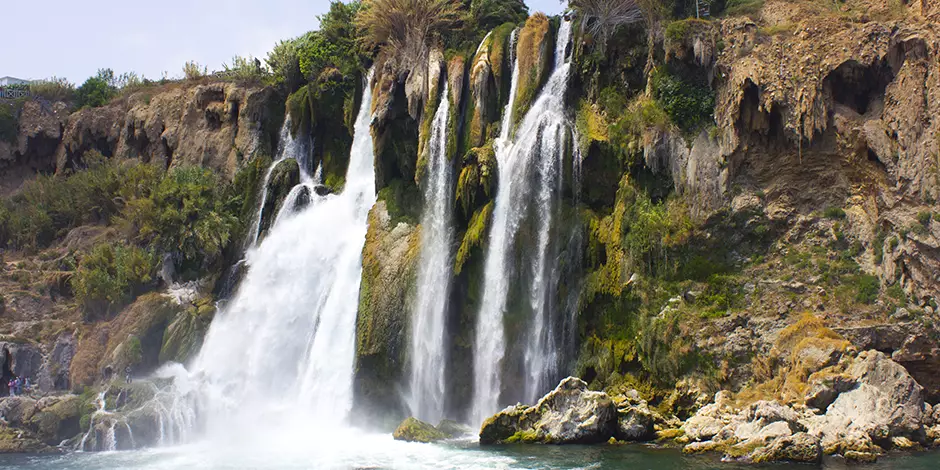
{"type": "Point", "coordinates": [428, 330]}
{"type": "Point", "coordinates": [529, 180]}
{"type": "Point", "coordinates": [282, 351]}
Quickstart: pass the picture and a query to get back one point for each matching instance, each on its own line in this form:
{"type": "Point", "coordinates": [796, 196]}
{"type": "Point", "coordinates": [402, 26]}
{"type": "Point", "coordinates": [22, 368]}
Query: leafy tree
{"type": "Point", "coordinates": [97, 90]}
{"type": "Point", "coordinates": [284, 62]}
{"type": "Point", "coordinates": [488, 14]}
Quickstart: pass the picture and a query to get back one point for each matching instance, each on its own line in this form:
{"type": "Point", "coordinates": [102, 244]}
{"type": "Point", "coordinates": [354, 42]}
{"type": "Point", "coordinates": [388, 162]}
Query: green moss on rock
{"type": "Point", "coordinates": [474, 237]}
{"type": "Point", "coordinates": [477, 180]}
{"type": "Point", "coordinates": [534, 52]}
{"type": "Point", "coordinates": [389, 262]}
{"type": "Point", "coordinates": [415, 430]}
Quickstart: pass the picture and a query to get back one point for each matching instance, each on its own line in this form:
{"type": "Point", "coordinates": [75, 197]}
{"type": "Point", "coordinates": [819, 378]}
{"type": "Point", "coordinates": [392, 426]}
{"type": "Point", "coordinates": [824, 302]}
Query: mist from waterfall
{"type": "Point", "coordinates": [429, 325]}
{"type": "Point", "coordinates": [529, 184]}
{"type": "Point", "coordinates": [282, 351]}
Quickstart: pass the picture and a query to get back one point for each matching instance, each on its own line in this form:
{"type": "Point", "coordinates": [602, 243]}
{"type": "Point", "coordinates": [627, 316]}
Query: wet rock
{"type": "Point", "coordinates": [800, 447]}
{"type": "Point", "coordinates": [415, 430]}
{"type": "Point", "coordinates": [570, 414]}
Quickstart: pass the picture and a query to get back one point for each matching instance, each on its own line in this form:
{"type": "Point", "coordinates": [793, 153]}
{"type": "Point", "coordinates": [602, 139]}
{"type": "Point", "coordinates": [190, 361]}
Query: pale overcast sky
{"type": "Point", "coordinates": [75, 38]}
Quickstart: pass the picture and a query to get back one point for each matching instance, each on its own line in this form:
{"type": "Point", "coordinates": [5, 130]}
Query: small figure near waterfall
{"type": "Point", "coordinates": [127, 374]}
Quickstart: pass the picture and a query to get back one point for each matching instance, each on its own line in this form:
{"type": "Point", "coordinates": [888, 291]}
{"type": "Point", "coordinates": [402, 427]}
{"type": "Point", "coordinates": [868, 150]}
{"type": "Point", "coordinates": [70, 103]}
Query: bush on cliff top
{"type": "Point", "coordinates": [405, 28]}
{"type": "Point", "coordinates": [97, 90]}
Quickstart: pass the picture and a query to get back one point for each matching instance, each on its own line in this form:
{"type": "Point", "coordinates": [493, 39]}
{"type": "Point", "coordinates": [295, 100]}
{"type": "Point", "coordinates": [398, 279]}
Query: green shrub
{"type": "Point", "coordinates": [866, 287]}
{"type": "Point", "coordinates": [834, 213]}
{"type": "Point", "coordinates": [245, 70]}
{"type": "Point", "coordinates": [690, 105]}
{"type": "Point", "coordinates": [97, 90]}
{"type": "Point", "coordinates": [193, 71]}
{"type": "Point", "coordinates": [924, 218]}
{"type": "Point", "coordinates": [185, 215]}
{"type": "Point", "coordinates": [488, 14]}
{"type": "Point", "coordinates": [109, 276]}
{"type": "Point", "coordinates": [8, 124]}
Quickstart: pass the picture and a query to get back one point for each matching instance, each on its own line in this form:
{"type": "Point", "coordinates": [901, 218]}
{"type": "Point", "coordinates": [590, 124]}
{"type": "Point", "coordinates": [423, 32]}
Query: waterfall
{"type": "Point", "coordinates": [428, 346]}
{"type": "Point", "coordinates": [529, 175]}
{"type": "Point", "coordinates": [281, 353]}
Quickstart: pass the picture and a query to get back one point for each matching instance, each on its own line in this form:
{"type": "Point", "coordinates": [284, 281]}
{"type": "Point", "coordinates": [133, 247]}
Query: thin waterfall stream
{"type": "Point", "coordinates": [428, 342]}
{"type": "Point", "coordinates": [533, 154]}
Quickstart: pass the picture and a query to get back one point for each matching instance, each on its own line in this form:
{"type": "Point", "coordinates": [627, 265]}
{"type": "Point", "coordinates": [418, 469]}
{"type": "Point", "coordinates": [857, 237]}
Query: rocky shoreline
{"type": "Point", "coordinates": [859, 408]}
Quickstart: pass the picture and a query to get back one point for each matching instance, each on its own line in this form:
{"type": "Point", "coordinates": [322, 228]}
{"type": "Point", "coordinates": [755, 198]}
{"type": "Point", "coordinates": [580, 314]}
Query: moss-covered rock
{"type": "Point", "coordinates": [15, 441]}
{"type": "Point", "coordinates": [133, 338]}
{"type": "Point", "coordinates": [394, 131]}
{"type": "Point", "coordinates": [475, 237]}
{"type": "Point", "coordinates": [476, 183]}
{"type": "Point", "coordinates": [415, 430]}
{"type": "Point", "coordinates": [534, 52]}
{"type": "Point", "coordinates": [389, 262]}
{"type": "Point", "coordinates": [184, 335]}
{"type": "Point", "coordinates": [284, 176]}
{"type": "Point", "coordinates": [57, 418]}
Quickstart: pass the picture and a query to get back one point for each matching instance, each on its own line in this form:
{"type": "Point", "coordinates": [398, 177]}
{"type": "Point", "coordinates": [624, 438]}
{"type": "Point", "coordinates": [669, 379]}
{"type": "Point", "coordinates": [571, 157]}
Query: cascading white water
{"type": "Point", "coordinates": [282, 351]}
{"type": "Point", "coordinates": [428, 345]}
{"type": "Point", "coordinates": [533, 155]}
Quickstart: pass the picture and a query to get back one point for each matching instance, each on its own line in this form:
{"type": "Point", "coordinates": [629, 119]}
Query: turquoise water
{"type": "Point", "coordinates": [380, 452]}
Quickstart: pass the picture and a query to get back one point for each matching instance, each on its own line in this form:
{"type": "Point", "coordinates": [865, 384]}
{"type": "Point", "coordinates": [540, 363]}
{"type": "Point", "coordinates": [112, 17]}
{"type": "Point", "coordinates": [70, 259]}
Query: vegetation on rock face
{"type": "Point", "coordinates": [403, 28]}
{"type": "Point", "coordinates": [534, 53]}
{"type": "Point", "coordinates": [110, 275]}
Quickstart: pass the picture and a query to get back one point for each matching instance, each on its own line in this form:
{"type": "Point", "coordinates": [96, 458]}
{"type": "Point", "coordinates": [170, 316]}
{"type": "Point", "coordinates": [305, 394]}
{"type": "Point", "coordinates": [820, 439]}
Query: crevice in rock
{"type": "Point", "coordinates": [858, 86]}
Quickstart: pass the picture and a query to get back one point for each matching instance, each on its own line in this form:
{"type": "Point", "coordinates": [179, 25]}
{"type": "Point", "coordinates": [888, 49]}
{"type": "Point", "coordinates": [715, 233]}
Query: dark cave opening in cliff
{"type": "Point", "coordinates": [7, 368]}
{"type": "Point", "coordinates": [758, 122]}
{"type": "Point", "coordinates": [858, 86]}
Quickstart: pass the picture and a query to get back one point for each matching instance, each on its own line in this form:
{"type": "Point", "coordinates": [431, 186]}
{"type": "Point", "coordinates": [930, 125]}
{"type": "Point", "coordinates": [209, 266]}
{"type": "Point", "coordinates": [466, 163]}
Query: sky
{"type": "Point", "coordinates": [73, 39]}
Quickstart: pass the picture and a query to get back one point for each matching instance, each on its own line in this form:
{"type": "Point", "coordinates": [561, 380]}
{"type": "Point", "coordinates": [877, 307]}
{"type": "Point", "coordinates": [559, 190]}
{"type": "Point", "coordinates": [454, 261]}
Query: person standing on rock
{"type": "Point", "coordinates": [127, 374]}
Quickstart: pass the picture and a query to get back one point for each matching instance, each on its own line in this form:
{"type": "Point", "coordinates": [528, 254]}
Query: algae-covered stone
{"type": "Point", "coordinates": [284, 176]}
{"type": "Point", "coordinates": [800, 447]}
{"type": "Point", "coordinates": [415, 430]}
{"type": "Point", "coordinates": [534, 52]}
{"type": "Point", "coordinates": [389, 262]}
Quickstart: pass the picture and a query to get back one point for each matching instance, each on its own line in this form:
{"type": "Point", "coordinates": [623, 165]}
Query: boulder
{"type": "Point", "coordinates": [710, 419]}
{"type": "Point", "coordinates": [15, 411]}
{"type": "Point", "coordinates": [884, 402]}
{"type": "Point", "coordinates": [635, 422]}
{"type": "Point", "coordinates": [570, 414]}
{"type": "Point", "coordinates": [415, 430]}
{"type": "Point", "coordinates": [800, 447]}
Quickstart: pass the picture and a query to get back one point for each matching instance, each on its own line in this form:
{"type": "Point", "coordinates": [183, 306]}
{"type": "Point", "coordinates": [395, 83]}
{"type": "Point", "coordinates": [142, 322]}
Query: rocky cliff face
{"type": "Point", "coordinates": [218, 125]}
